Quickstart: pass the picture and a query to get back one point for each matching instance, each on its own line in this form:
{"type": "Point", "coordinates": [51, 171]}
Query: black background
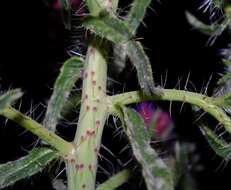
{"type": "Point", "coordinates": [30, 60]}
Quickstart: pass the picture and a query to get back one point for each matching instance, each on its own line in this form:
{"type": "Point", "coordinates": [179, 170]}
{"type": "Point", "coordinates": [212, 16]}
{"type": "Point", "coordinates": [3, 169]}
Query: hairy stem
{"type": "Point", "coordinates": [93, 114]}
{"type": "Point", "coordinates": [52, 139]}
{"type": "Point", "coordinates": [116, 180]}
{"type": "Point", "coordinates": [202, 101]}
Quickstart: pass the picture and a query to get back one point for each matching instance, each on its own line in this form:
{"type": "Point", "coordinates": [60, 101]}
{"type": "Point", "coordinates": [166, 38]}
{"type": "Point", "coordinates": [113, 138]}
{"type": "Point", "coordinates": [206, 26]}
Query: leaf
{"type": "Point", "coordinates": [224, 78]}
{"type": "Point", "coordinates": [66, 13]}
{"type": "Point", "coordinates": [113, 29]}
{"type": "Point", "coordinates": [156, 174]}
{"type": "Point", "coordinates": [137, 13]}
{"type": "Point", "coordinates": [202, 27]}
{"type": "Point", "coordinates": [71, 104]}
{"type": "Point", "coordinates": [115, 181]}
{"type": "Point", "coordinates": [70, 72]}
{"type": "Point", "coordinates": [109, 27]}
{"type": "Point", "coordinates": [26, 166]}
{"type": "Point", "coordinates": [219, 146]}
{"type": "Point", "coordinates": [96, 6]}
{"type": "Point", "coordinates": [143, 67]}
{"type": "Point", "coordinates": [8, 98]}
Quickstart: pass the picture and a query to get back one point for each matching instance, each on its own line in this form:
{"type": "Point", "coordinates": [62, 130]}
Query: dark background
{"type": "Point", "coordinates": [31, 58]}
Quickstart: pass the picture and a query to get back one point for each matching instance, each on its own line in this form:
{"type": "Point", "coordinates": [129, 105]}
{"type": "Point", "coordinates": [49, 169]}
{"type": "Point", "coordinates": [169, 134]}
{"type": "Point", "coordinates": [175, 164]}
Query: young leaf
{"type": "Point", "coordinates": [96, 6]}
{"type": "Point", "coordinates": [27, 166]}
{"type": "Point", "coordinates": [9, 97]}
{"type": "Point", "coordinates": [113, 29]}
{"type": "Point", "coordinates": [108, 26]}
{"type": "Point", "coordinates": [137, 13]}
{"type": "Point", "coordinates": [70, 72]}
{"type": "Point", "coordinates": [156, 174]}
{"type": "Point", "coordinates": [219, 146]}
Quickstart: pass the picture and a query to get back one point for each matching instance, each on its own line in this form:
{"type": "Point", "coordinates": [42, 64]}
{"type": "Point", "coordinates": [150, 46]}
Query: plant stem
{"type": "Point", "coordinates": [116, 180]}
{"type": "Point", "coordinates": [93, 114]}
{"type": "Point", "coordinates": [52, 139]}
{"type": "Point", "coordinates": [202, 101]}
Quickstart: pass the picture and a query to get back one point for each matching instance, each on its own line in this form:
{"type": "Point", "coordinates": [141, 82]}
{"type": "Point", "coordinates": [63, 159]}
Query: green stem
{"type": "Point", "coordinates": [204, 102]}
{"type": "Point", "coordinates": [93, 114]}
{"type": "Point", "coordinates": [52, 139]}
{"type": "Point", "coordinates": [116, 180]}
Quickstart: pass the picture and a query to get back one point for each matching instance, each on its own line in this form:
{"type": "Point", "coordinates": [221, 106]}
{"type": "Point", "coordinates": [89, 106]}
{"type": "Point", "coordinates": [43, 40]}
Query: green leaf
{"type": "Point", "coordinates": [220, 147]}
{"type": "Point", "coordinates": [71, 104]}
{"type": "Point", "coordinates": [143, 67]}
{"type": "Point", "coordinates": [113, 29]}
{"type": "Point", "coordinates": [108, 26]}
{"type": "Point", "coordinates": [155, 172]}
{"type": "Point", "coordinates": [225, 78]}
{"type": "Point", "coordinates": [8, 98]}
{"type": "Point", "coordinates": [96, 6]}
{"type": "Point", "coordinates": [214, 30]}
{"type": "Point", "coordinates": [202, 27]}
{"type": "Point", "coordinates": [70, 72]}
{"type": "Point", "coordinates": [27, 166]}
{"type": "Point", "coordinates": [137, 13]}
{"type": "Point", "coordinates": [115, 181]}
{"type": "Point", "coordinates": [66, 13]}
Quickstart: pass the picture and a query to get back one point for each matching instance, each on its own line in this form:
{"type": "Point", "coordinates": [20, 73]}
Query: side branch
{"type": "Point", "coordinates": [206, 103]}
{"type": "Point", "coordinates": [51, 138]}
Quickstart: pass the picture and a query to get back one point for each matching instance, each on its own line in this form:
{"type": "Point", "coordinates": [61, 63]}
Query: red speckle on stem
{"type": "Point", "coordinates": [88, 132]}
{"type": "Point", "coordinates": [90, 167]}
{"type": "Point", "coordinates": [92, 73]}
{"type": "Point", "coordinates": [94, 109]}
{"type": "Point", "coordinates": [94, 82]}
{"type": "Point", "coordinates": [82, 138]}
{"type": "Point", "coordinates": [97, 123]}
{"type": "Point", "coordinates": [87, 108]}
{"type": "Point", "coordinates": [84, 186]}
{"type": "Point", "coordinates": [96, 150]}
{"type": "Point", "coordinates": [72, 160]}
{"type": "Point", "coordinates": [81, 166]}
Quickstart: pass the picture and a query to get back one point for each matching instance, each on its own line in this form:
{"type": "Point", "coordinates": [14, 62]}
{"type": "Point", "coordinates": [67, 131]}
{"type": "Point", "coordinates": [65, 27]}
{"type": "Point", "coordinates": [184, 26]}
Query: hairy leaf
{"type": "Point", "coordinates": [156, 174]}
{"type": "Point", "coordinates": [214, 30]}
{"type": "Point", "coordinates": [27, 166]}
{"type": "Point", "coordinates": [9, 97]}
{"type": "Point", "coordinates": [202, 27]}
{"type": "Point", "coordinates": [96, 6]}
{"type": "Point", "coordinates": [137, 13]}
{"type": "Point", "coordinates": [70, 72]}
{"type": "Point", "coordinates": [109, 27]}
{"type": "Point", "coordinates": [219, 146]}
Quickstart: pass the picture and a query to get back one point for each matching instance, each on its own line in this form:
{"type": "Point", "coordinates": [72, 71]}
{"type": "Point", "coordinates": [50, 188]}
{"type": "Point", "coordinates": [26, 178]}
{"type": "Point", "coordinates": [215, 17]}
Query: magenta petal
{"type": "Point", "coordinates": [163, 123]}
{"type": "Point", "coordinates": [146, 110]}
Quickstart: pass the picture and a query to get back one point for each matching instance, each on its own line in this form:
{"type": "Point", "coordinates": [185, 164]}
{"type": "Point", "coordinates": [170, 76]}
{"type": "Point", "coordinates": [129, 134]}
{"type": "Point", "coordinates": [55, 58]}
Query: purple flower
{"type": "Point", "coordinates": [163, 120]}
{"type": "Point", "coordinates": [75, 4]}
